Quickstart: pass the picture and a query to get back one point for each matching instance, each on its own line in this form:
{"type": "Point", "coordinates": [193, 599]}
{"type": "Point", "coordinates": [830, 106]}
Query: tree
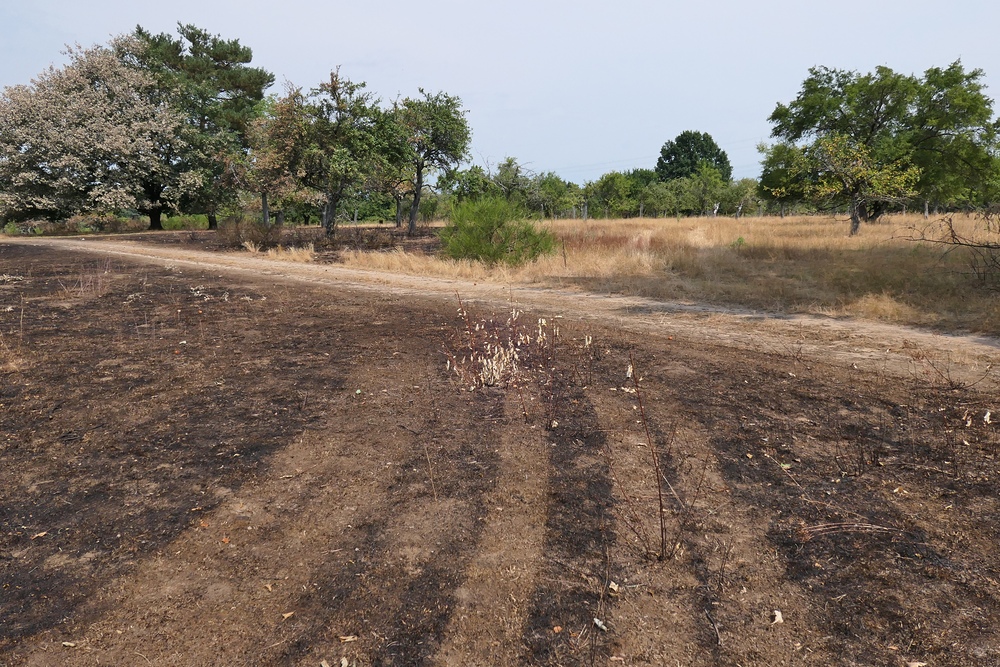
{"type": "Point", "coordinates": [277, 140]}
{"type": "Point", "coordinates": [209, 81]}
{"type": "Point", "coordinates": [884, 136]}
{"type": "Point", "coordinates": [556, 195]}
{"type": "Point", "coordinates": [707, 187]}
{"type": "Point", "coordinates": [88, 137]}
{"type": "Point", "coordinates": [438, 136]}
{"type": "Point", "coordinates": [661, 198]}
{"type": "Point", "coordinates": [784, 174]}
{"type": "Point", "coordinates": [515, 183]}
{"type": "Point", "coordinates": [740, 196]}
{"type": "Point", "coordinates": [336, 138]}
{"type": "Point", "coordinates": [681, 156]}
{"type": "Point", "coordinates": [954, 137]}
{"type": "Point", "coordinates": [639, 180]}
{"type": "Point", "coordinates": [468, 184]}
{"type": "Point", "coordinates": [613, 194]}
{"type": "Point", "coordinates": [393, 174]}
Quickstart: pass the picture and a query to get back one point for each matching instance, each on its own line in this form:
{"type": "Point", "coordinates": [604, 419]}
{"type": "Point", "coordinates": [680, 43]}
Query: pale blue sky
{"type": "Point", "coordinates": [579, 88]}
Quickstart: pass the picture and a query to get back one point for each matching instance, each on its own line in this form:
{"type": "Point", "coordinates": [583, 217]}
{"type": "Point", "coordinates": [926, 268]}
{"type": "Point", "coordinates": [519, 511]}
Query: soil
{"type": "Point", "coordinates": [210, 458]}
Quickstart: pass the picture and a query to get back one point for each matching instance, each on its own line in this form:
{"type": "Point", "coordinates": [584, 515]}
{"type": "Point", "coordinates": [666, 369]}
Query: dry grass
{"type": "Point", "coordinates": [306, 253]}
{"type": "Point", "coordinates": [805, 264]}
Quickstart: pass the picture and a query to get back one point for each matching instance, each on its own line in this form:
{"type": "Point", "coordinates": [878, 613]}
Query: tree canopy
{"type": "Point", "coordinates": [90, 136]}
{"type": "Point", "coordinates": [868, 140]}
{"type": "Point", "coordinates": [681, 156]}
{"type": "Point", "coordinates": [209, 81]}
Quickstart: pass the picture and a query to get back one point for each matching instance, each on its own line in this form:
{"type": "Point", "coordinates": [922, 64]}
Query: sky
{"type": "Point", "coordinates": [580, 88]}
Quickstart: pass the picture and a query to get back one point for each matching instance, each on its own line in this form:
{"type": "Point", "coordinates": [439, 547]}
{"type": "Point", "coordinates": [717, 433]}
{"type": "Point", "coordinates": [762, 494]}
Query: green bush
{"type": "Point", "coordinates": [185, 222]}
{"type": "Point", "coordinates": [492, 230]}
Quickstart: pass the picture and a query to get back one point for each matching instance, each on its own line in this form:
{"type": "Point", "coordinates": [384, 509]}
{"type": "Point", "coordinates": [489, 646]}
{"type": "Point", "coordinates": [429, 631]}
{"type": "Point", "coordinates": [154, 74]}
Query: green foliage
{"type": "Point", "coordinates": [467, 184]}
{"type": "Point", "coordinates": [610, 196]}
{"type": "Point", "coordinates": [680, 157]}
{"type": "Point", "coordinates": [845, 169]}
{"type": "Point", "coordinates": [871, 140]}
{"type": "Point", "coordinates": [207, 78]}
{"type": "Point", "coordinates": [625, 194]}
{"type": "Point", "coordinates": [208, 81]}
{"type": "Point", "coordinates": [329, 142]}
{"type": "Point", "coordinates": [740, 197]}
{"type": "Point", "coordinates": [784, 173]}
{"type": "Point", "coordinates": [493, 230]}
{"type": "Point", "coordinates": [556, 196]}
{"type": "Point", "coordinates": [546, 194]}
{"type": "Point", "coordinates": [189, 222]}
{"type": "Point", "coordinates": [954, 137]}
{"type": "Point", "coordinates": [707, 187]}
{"type": "Point", "coordinates": [663, 198]}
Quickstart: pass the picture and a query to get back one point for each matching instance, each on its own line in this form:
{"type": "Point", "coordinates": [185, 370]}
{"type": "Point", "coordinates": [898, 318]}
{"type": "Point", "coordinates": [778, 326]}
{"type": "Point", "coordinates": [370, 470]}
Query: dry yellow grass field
{"type": "Point", "coordinates": [805, 264]}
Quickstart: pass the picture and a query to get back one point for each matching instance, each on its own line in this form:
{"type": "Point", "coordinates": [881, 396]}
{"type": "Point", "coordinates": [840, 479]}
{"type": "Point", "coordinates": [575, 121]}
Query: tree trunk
{"type": "Point", "coordinates": [856, 214]}
{"type": "Point", "coordinates": [280, 221]}
{"type": "Point", "coordinates": [399, 212]}
{"type": "Point", "coordinates": [264, 209]}
{"type": "Point", "coordinates": [327, 220]}
{"type": "Point", "coordinates": [213, 221]}
{"type": "Point", "coordinates": [155, 218]}
{"type": "Point", "coordinates": [415, 207]}
{"type": "Point", "coordinates": [927, 209]}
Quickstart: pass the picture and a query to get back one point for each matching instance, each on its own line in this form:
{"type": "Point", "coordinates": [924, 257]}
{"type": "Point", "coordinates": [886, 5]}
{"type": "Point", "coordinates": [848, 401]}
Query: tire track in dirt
{"type": "Point", "coordinates": [579, 537]}
{"type": "Point", "coordinates": [711, 600]}
{"type": "Point", "coordinates": [365, 547]}
{"type": "Point", "coordinates": [494, 599]}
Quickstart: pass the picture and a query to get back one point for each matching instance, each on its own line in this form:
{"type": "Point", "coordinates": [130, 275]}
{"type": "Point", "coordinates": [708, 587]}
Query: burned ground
{"type": "Point", "coordinates": [207, 467]}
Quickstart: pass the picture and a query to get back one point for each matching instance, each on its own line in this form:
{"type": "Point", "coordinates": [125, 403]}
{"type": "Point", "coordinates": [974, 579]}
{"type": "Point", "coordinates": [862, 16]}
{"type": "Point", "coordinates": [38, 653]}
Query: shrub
{"type": "Point", "coordinates": [492, 230]}
{"type": "Point", "coordinates": [187, 222]}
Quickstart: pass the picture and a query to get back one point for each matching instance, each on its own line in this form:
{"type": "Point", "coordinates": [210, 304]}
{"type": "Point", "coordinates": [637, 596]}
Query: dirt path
{"type": "Point", "coordinates": [219, 459]}
{"type": "Point", "coordinates": [896, 349]}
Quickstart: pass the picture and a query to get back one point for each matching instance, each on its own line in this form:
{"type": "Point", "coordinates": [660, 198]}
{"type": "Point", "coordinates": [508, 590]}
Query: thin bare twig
{"type": "Point", "coordinates": [715, 626]}
{"type": "Point", "coordinates": [655, 459]}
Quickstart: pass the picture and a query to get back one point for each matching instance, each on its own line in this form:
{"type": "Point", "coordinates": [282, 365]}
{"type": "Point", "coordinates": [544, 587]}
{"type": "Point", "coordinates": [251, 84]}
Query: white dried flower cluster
{"type": "Point", "coordinates": [495, 351]}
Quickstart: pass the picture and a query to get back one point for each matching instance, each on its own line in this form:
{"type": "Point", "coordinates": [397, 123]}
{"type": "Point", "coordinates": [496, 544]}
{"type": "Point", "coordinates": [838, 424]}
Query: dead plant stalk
{"type": "Point", "coordinates": [654, 459]}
